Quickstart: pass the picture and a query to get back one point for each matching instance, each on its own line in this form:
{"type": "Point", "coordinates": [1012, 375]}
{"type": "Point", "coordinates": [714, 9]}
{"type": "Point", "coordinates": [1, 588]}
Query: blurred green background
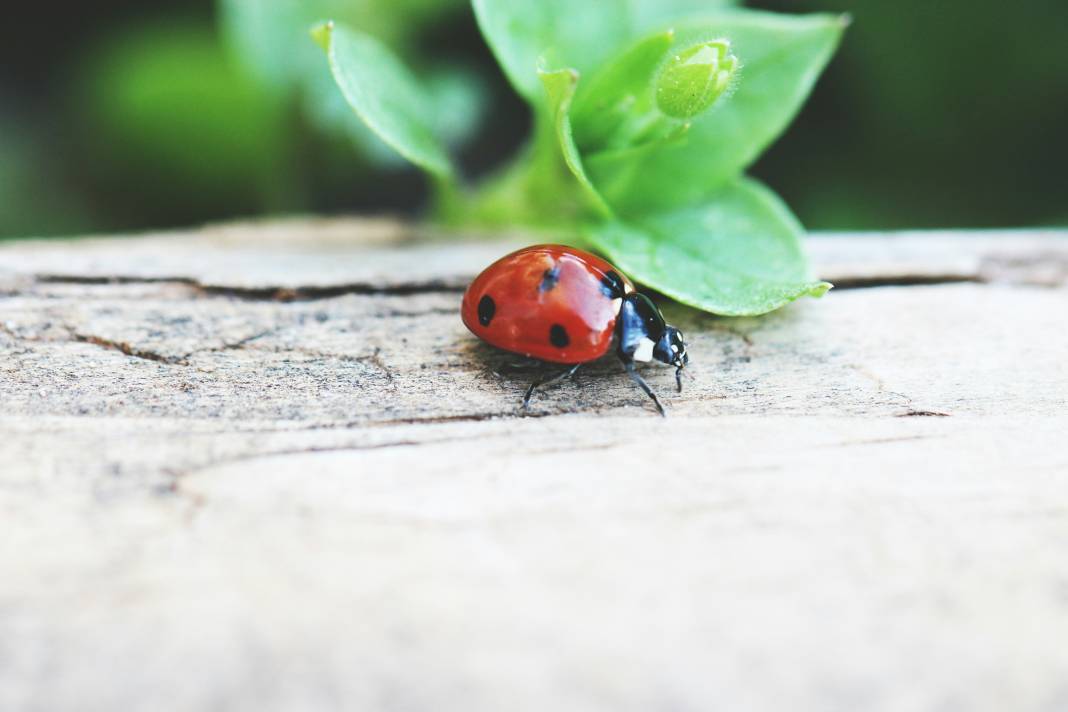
{"type": "Point", "coordinates": [121, 115]}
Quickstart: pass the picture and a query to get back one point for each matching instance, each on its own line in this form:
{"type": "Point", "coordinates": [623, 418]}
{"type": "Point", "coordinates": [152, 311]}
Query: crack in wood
{"type": "Point", "coordinates": [231, 345]}
{"type": "Point", "coordinates": [307, 293]}
{"type": "Point", "coordinates": [881, 387]}
{"type": "Point", "coordinates": [149, 355]}
{"type": "Point", "coordinates": [878, 441]}
{"type": "Point", "coordinates": [304, 293]}
{"type": "Point", "coordinates": [178, 475]}
{"type": "Point", "coordinates": [73, 336]}
{"type": "Point", "coordinates": [127, 349]}
{"type": "Point", "coordinates": [414, 313]}
{"type": "Point", "coordinates": [905, 280]}
{"type": "Point", "coordinates": [1047, 268]}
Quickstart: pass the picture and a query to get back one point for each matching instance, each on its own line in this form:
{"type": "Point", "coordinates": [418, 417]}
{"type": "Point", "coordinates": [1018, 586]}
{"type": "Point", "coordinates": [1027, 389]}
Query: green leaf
{"type": "Point", "coordinates": [560, 88]}
{"type": "Point", "coordinates": [270, 40]}
{"type": "Point", "coordinates": [781, 58]}
{"type": "Point", "coordinates": [327, 110]}
{"type": "Point", "coordinates": [738, 253]}
{"type": "Point", "coordinates": [270, 36]}
{"type": "Point", "coordinates": [646, 14]}
{"type": "Point", "coordinates": [579, 34]}
{"type": "Point", "coordinates": [650, 93]}
{"type": "Point", "coordinates": [619, 90]}
{"type": "Point", "coordinates": [385, 95]}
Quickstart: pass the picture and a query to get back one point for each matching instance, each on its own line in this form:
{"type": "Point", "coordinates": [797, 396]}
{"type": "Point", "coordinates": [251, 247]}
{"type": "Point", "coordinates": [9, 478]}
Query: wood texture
{"type": "Point", "coordinates": [264, 467]}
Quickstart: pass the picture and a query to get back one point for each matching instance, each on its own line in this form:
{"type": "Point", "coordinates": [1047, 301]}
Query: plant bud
{"type": "Point", "coordinates": [694, 78]}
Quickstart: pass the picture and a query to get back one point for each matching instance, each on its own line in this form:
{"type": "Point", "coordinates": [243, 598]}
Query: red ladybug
{"type": "Point", "coordinates": [563, 305]}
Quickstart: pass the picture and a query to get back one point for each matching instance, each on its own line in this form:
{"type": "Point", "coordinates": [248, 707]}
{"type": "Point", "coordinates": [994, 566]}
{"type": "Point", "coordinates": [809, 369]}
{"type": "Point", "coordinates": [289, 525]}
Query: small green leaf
{"type": "Point", "coordinates": [782, 56]}
{"type": "Point", "coordinates": [579, 34]}
{"type": "Point", "coordinates": [327, 110]}
{"type": "Point", "coordinates": [649, 93]}
{"type": "Point", "coordinates": [560, 88]}
{"type": "Point", "coordinates": [385, 95]}
{"type": "Point", "coordinates": [694, 78]}
{"type": "Point", "coordinates": [737, 253]}
{"type": "Point", "coordinates": [618, 92]}
{"type": "Point", "coordinates": [270, 39]}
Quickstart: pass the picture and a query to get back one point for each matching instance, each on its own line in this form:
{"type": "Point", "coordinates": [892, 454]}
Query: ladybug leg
{"type": "Point", "coordinates": [548, 382]}
{"type": "Point", "coordinates": [636, 377]}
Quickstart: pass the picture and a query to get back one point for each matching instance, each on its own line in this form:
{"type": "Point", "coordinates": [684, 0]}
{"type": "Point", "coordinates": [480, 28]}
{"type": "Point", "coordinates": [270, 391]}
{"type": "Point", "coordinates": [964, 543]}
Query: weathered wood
{"type": "Point", "coordinates": [265, 467]}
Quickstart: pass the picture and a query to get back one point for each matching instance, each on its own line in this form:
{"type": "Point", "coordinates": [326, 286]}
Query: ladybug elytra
{"type": "Point", "coordinates": [566, 306]}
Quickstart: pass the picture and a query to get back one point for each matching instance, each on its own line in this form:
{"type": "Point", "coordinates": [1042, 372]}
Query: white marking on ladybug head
{"type": "Point", "coordinates": [644, 352]}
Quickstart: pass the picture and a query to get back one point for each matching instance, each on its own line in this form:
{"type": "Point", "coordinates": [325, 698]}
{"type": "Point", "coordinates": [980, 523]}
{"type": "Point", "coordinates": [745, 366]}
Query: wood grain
{"type": "Point", "coordinates": [264, 467]}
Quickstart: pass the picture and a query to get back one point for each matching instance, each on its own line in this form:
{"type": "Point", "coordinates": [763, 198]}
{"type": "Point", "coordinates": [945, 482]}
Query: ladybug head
{"type": "Point", "coordinates": [671, 349]}
{"type": "Point", "coordinates": [644, 336]}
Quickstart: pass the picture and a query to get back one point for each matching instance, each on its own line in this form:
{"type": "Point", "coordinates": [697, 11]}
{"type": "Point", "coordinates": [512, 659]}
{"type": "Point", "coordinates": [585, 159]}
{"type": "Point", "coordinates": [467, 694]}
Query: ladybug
{"type": "Point", "coordinates": [566, 306]}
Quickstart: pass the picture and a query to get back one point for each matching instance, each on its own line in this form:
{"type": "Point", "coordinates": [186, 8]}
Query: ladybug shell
{"type": "Point", "coordinates": [549, 302]}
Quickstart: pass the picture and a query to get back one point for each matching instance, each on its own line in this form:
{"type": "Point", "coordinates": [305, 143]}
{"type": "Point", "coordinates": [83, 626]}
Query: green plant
{"type": "Point", "coordinates": [270, 41]}
{"type": "Point", "coordinates": [646, 116]}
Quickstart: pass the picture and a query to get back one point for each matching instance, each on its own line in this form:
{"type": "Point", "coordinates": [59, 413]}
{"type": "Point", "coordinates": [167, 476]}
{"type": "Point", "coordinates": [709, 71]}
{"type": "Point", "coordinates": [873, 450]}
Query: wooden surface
{"type": "Point", "coordinates": [264, 467]}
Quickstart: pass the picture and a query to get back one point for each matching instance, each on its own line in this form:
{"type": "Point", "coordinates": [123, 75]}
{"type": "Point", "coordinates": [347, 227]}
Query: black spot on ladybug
{"type": "Point", "coordinates": [558, 336]}
{"type": "Point", "coordinates": [612, 285]}
{"type": "Point", "coordinates": [549, 279]}
{"type": "Point", "coordinates": [486, 309]}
